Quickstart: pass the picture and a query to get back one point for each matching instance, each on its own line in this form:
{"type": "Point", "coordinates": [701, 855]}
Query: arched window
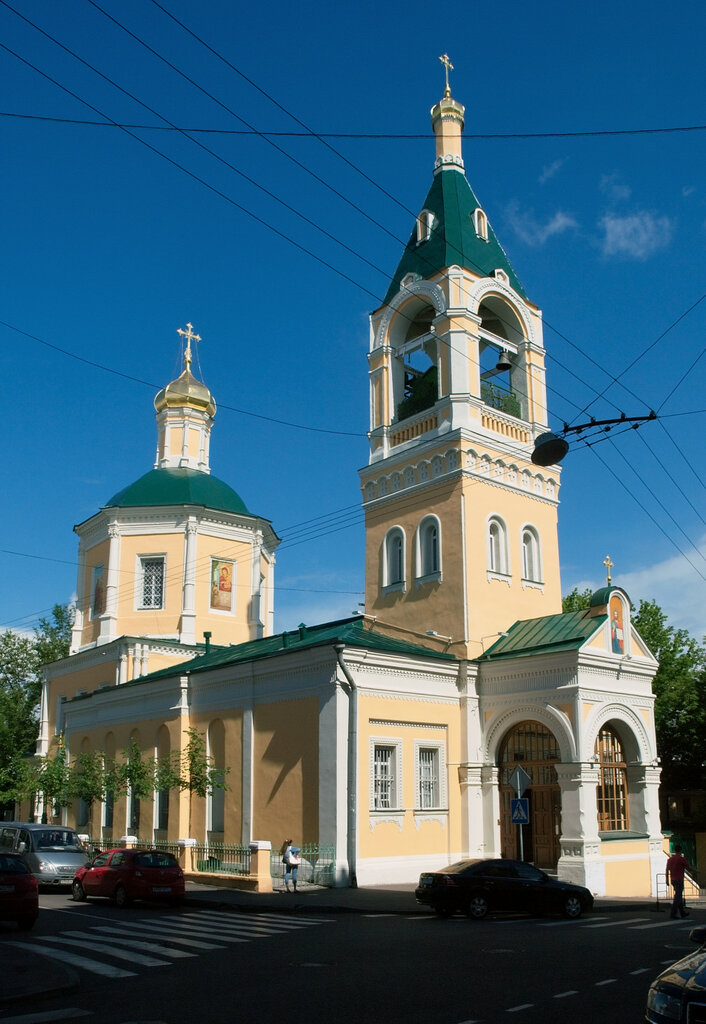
{"type": "Point", "coordinates": [498, 557]}
{"type": "Point", "coordinates": [216, 793]}
{"type": "Point", "coordinates": [393, 563]}
{"type": "Point", "coordinates": [429, 547]}
{"type": "Point", "coordinates": [480, 222]}
{"type": "Point", "coordinates": [161, 809]}
{"type": "Point", "coordinates": [531, 560]}
{"type": "Point", "coordinates": [612, 792]}
{"type": "Point", "coordinates": [425, 226]}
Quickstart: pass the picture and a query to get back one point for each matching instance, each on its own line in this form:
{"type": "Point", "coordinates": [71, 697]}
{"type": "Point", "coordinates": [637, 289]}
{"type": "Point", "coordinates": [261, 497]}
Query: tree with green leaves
{"type": "Point", "coordinates": [21, 660]}
{"type": "Point", "coordinates": [198, 773]}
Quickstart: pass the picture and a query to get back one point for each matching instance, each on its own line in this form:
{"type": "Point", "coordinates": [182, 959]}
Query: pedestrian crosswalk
{"type": "Point", "coordinates": [119, 950]}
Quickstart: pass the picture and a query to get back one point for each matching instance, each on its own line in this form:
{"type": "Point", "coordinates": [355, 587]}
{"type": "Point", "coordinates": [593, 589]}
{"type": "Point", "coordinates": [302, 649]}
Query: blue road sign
{"type": "Point", "coordinates": [519, 810]}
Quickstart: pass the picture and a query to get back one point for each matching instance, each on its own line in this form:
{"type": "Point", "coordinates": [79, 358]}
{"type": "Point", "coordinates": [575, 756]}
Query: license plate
{"type": "Point", "coordinates": [7, 888]}
{"type": "Point", "coordinates": [161, 888]}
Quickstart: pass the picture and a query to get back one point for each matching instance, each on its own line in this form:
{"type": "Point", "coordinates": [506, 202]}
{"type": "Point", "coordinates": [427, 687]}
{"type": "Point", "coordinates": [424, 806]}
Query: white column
{"type": "Point", "coordinates": [256, 622]}
{"type": "Point", "coordinates": [187, 633]}
{"type": "Point", "coordinates": [490, 780]}
{"type": "Point", "coordinates": [109, 618]}
{"type": "Point", "coordinates": [247, 774]}
{"type": "Point", "coordinates": [580, 860]}
{"type": "Point", "coordinates": [77, 629]}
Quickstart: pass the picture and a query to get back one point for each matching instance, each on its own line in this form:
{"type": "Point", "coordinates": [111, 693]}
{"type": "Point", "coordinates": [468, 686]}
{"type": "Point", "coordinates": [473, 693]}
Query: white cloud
{"type": "Point", "coordinates": [636, 236]}
{"type": "Point", "coordinates": [688, 190]}
{"type": "Point", "coordinates": [614, 188]}
{"type": "Point", "coordinates": [531, 231]}
{"type": "Point", "coordinates": [549, 170]}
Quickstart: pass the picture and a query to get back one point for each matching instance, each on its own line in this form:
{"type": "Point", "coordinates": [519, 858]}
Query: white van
{"type": "Point", "coordinates": [54, 853]}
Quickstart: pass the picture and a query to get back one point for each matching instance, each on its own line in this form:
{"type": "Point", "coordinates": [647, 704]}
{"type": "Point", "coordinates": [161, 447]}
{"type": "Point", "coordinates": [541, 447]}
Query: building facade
{"type": "Point", "coordinates": [392, 737]}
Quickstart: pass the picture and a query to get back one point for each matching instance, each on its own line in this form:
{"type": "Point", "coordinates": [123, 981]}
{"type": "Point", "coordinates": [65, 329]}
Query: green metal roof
{"type": "Point", "coordinates": [453, 239]}
{"type": "Point", "coordinates": [179, 487]}
{"type": "Point", "coordinates": [549, 634]}
{"type": "Point", "coordinates": [352, 632]}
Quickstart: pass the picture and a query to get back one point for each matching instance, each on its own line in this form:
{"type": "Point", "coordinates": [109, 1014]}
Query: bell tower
{"type": "Point", "coordinates": [461, 527]}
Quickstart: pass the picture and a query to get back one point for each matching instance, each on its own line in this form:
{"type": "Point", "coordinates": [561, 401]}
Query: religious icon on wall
{"type": "Point", "coordinates": [221, 585]}
{"type": "Point", "coordinates": [617, 638]}
{"type": "Point", "coordinates": [98, 591]}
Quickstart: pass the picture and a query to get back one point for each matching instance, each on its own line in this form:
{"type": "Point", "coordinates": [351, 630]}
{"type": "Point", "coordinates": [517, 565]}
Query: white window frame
{"type": "Point", "coordinates": [497, 549]}
{"type": "Point", "coordinates": [140, 581]}
{"type": "Point", "coordinates": [531, 551]}
{"type": "Point", "coordinates": [438, 750]}
{"type": "Point", "coordinates": [480, 223]}
{"type": "Point", "coordinates": [428, 553]}
{"type": "Point", "coordinates": [97, 572]}
{"type": "Point", "coordinates": [393, 576]}
{"type": "Point", "coordinates": [395, 748]}
{"type": "Point", "coordinates": [425, 225]}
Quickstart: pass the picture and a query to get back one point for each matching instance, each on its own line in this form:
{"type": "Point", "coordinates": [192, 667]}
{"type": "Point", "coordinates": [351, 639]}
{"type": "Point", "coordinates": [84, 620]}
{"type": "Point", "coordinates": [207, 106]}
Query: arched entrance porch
{"type": "Point", "coordinates": [531, 745]}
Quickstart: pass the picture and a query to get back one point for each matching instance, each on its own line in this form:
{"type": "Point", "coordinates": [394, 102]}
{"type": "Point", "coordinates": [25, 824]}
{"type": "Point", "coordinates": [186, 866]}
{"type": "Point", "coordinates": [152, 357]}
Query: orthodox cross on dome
{"type": "Point", "coordinates": [608, 566]}
{"type": "Point", "coordinates": [448, 66]}
{"type": "Point", "coordinates": [190, 336]}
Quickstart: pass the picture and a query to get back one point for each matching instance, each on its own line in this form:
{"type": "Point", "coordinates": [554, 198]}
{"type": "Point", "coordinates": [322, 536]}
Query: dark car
{"type": "Point", "coordinates": [126, 875]}
{"type": "Point", "coordinates": [679, 993]}
{"type": "Point", "coordinates": [19, 896]}
{"type": "Point", "coordinates": [476, 887]}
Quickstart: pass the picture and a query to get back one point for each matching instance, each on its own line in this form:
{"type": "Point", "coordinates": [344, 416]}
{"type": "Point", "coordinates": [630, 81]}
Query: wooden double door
{"type": "Point", "coordinates": [533, 747]}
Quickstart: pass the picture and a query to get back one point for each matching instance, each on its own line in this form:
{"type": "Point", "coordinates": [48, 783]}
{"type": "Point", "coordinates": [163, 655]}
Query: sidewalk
{"type": "Point", "coordinates": [24, 977]}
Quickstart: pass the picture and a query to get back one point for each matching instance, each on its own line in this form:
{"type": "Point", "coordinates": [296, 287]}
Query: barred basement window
{"type": "Point", "coordinates": [152, 590]}
{"type": "Point", "coordinates": [612, 792]}
{"type": "Point", "coordinates": [384, 787]}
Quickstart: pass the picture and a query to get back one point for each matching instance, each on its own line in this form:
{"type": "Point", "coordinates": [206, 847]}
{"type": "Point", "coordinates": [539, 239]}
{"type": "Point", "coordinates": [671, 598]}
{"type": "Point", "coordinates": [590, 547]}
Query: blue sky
{"type": "Point", "coordinates": [109, 248]}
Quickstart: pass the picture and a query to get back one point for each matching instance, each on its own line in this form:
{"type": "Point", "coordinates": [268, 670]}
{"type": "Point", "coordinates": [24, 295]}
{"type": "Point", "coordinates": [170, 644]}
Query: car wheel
{"type": "Point", "coordinates": [121, 897]}
{"type": "Point", "coordinates": [572, 907]}
{"type": "Point", "coordinates": [25, 923]}
{"type": "Point", "coordinates": [477, 907]}
{"type": "Point", "coordinates": [77, 892]}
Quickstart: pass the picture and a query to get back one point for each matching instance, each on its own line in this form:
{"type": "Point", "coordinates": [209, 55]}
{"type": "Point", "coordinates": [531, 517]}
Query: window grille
{"type": "Point", "coordinates": [384, 778]}
{"type": "Point", "coordinates": [612, 792]}
{"type": "Point", "coordinates": [152, 582]}
{"type": "Point", "coordinates": [428, 795]}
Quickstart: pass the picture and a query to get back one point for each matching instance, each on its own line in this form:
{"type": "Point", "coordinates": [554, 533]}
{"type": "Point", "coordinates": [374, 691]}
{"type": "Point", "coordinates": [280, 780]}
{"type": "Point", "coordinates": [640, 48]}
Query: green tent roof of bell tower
{"type": "Point", "coordinates": [453, 240]}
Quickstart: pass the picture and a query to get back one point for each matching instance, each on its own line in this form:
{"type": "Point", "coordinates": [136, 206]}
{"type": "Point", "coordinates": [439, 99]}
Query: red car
{"type": "Point", "coordinates": [19, 892]}
{"type": "Point", "coordinates": [126, 875]}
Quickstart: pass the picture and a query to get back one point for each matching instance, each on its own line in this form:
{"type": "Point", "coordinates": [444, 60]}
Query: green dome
{"type": "Point", "coordinates": [179, 487]}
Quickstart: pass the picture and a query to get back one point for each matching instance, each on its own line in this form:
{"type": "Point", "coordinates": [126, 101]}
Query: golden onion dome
{"type": "Point", "coordinates": [186, 390]}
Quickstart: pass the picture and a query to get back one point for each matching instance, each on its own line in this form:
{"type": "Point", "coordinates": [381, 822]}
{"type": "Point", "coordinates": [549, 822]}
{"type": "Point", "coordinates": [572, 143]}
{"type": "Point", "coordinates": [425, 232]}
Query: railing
{"type": "Point", "coordinates": [665, 891]}
{"type": "Point", "coordinates": [222, 859]}
{"type": "Point", "coordinates": [316, 864]}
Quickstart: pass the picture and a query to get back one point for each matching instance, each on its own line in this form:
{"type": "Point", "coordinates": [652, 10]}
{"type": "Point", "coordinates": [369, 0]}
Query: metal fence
{"type": "Point", "coordinates": [222, 859]}
{"type": "Point", "coordinates": [316, 864]}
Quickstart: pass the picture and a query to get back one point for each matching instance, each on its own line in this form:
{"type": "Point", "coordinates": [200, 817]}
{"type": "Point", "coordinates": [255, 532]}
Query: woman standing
{"type": "Point", "coordinates": [290, 859]}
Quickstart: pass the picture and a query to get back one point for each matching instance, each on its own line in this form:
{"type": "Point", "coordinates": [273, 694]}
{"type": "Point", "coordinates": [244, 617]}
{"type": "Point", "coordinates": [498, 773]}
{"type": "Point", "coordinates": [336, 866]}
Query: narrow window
{"type": "Point", "coordinates": [481, 224]}
{"type": "Point", "coordinates": [394, 558]}
{"type": "Point", "coordinates": [152, 582]}
{"type": "Point", "coordinates": [98, 591]}
{"type": "Point", "coordinates": [428, 778]}
{"type": "Point", "coordinates": [429, 547]}
{"type": "Point", "coordinates": [425, 225]}
{"type": "Point", "coordinates": [612, 792]}
{"type": "Point", "coordinates": [498, 560]}
{"type": "Point", "coordinates": [531, 567]}
{"type": "Point", "coordinates": [384, 787]}
{"type": "Point", "coordinates": [163, 810]}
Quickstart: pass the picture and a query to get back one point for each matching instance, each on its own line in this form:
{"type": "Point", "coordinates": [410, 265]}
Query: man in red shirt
{"type": "Point", "coordinates": [676, 866]}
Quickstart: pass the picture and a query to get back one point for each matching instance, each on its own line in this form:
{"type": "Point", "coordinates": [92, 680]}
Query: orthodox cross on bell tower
{"type": "Point", "coordinates": [608, 566]}
{"type": "Point", "coordinates": [190, 336]}
{"type": "Point", "coordinates": [448, 66]}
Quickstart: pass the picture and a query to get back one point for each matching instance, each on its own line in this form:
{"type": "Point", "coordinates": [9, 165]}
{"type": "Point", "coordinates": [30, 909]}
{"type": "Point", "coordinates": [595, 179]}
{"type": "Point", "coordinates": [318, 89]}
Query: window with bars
{"type": "Point", "coordinates": [384, 778]}
{"type": "Point", "coordinates": [152, 583]}
{"type": "Point", "coordinates": [612, 792]}
{"type": "Point", "coordinates": [428, 778]}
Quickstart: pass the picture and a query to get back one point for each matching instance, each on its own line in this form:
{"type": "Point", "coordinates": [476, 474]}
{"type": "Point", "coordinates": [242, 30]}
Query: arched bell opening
{"type": "Point", "coordinates": [501, 334]}
{"type": "Point", "coordinates": [535, 749]}
{"type": "Point", "coordinates": [415, 373]}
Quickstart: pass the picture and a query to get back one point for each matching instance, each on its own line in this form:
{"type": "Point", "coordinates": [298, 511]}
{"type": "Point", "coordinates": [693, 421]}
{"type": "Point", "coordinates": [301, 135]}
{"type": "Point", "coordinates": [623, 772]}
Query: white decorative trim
{"type": "Point", "coordinates": [389, 817]}
{"type": "Point", "coordinates": [420, 817]}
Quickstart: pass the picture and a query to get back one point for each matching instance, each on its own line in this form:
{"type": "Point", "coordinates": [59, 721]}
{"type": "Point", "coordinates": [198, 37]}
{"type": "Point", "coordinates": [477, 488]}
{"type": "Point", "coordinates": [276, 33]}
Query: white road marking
{"type": "Point", "coordinates": [606, 981]}
{"type": "Point", "coordinates": [152, 931]}
{"type": "Point", "coordinates": [132, 943]}
{"type": "Point", "coordinates": [70, 1013]}
{"type": "Point", "coordinates": [641, 970]}
{"type": "Point", "coordinates": [522, 1006]}
{"type": "Point", "coordinates": [563, 995]}
{"type": "Point", "coordinates": [616, 922]}
{"type": "Point", "coordinates": [95, 966]}
{"type": "Point", "coordinates": [114, 951]}
{"type": "Point", "coordinates": [658, 924]}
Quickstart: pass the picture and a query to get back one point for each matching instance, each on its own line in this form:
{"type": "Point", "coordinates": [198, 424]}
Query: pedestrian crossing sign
{"type": "Point", "coordinates": [519, 810]}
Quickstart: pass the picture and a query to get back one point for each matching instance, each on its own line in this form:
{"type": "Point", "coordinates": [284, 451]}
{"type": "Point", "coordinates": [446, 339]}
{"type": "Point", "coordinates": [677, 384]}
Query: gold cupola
{"type": "Point", "coordinates": [185, 409]}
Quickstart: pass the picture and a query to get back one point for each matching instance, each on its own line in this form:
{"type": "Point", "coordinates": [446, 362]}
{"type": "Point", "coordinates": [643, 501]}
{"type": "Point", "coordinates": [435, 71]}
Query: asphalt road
{"type": "Point", "coordinates": [160, 964]}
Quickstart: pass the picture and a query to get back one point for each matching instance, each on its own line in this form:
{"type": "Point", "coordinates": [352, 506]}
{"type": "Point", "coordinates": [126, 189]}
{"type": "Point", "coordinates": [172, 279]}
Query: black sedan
{"type": "Point", "coordinates": [476, 887]}
{"type": "Point", "coordinates": [679, 993]}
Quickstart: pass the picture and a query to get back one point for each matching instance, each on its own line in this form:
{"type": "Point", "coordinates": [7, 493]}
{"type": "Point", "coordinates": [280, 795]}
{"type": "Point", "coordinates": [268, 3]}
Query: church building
{"type": "Point", "coordinates": [398, 737]}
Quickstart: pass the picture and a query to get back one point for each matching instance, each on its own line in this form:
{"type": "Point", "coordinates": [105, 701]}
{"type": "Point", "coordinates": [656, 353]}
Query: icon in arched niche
{"type": "Point", "coordinates": [617, 630]}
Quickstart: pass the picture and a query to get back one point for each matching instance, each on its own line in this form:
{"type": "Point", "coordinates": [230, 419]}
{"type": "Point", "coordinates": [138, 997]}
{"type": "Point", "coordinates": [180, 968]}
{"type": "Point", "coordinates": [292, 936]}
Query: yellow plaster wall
{"type": "Point", "coordinates": [175, 441]}
{"type": "Point", "coordinates": [95, 556]}
{"type": "Point", "coordinates": [151, 621]}
{"type": "Point", "coordinates": [408, 721]}
{"type": "Point", "coordinates": [627, 877]}
{"type": "Point", "coordinates": [194, 442]}
{"type": "Point", "coordinates": [286, 782]}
